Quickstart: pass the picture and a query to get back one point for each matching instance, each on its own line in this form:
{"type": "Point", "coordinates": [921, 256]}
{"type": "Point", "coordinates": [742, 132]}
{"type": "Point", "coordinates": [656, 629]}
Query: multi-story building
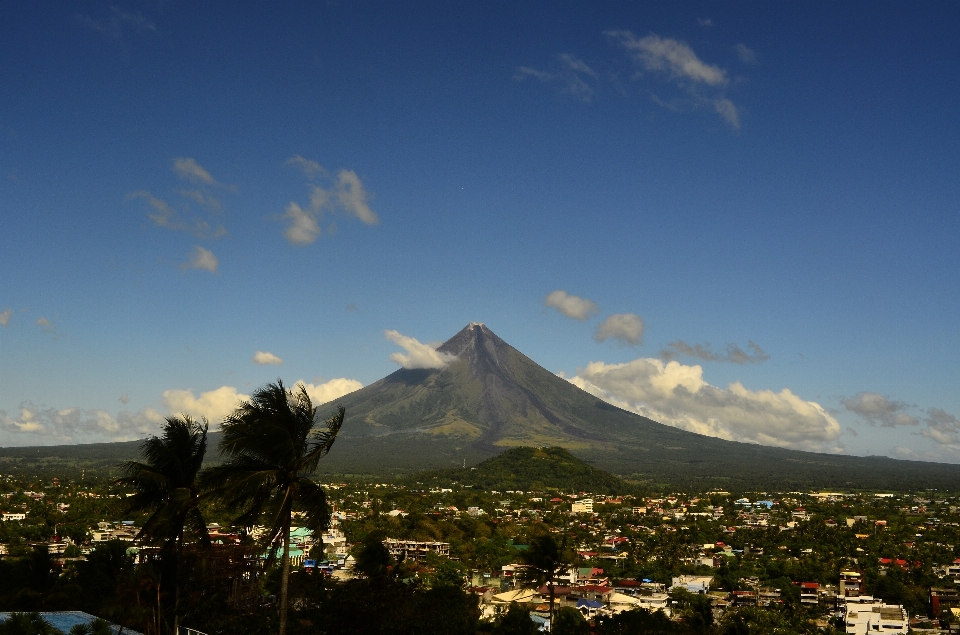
{"type": "Point", "coordinates": [415, 549]}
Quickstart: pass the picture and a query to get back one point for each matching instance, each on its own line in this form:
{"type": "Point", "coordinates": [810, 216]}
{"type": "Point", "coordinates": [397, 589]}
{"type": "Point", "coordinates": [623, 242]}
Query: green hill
{"type": "Point", "coordinates": [533, 469]}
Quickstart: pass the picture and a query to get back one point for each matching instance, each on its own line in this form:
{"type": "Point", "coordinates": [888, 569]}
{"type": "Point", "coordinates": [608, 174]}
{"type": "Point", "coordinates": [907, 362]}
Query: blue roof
{"type": "Point", "coordinates": [65, 620]}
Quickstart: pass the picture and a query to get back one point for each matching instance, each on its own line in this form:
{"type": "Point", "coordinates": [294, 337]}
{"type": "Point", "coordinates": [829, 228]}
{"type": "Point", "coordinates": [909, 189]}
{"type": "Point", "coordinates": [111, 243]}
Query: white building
{"type": "Point", "coordinates": [875, 617]}
{"type": "Point", "coordinates": [13, 516]}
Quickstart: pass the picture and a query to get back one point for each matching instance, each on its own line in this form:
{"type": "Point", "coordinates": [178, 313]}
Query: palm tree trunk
{"type": "Point", "coordinates": [285, 576]}
{"type": "Point", "coordinates": [551, 605]}
{"type": "Point", "coordinates": [176, 585]}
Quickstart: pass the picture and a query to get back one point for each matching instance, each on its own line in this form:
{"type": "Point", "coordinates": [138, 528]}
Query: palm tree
{"type": "Point", "coordinates": [270, 449]}
{"type": "Point", "coordinates": [545, 560]}
{"type": "Point", "coordinates": [166, 481]}
{"type": "Point", "coordinates": [27, 624]}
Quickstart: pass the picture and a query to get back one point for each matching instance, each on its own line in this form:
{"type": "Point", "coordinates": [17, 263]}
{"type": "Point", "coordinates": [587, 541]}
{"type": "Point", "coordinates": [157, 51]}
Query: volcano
{"type": "Point", "coordinates": [489, 397]}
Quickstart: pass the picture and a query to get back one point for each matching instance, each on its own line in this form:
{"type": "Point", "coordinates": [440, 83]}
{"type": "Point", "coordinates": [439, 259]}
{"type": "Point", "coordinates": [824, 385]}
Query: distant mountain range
{"type": "Point", "coordinates": [489, 397]}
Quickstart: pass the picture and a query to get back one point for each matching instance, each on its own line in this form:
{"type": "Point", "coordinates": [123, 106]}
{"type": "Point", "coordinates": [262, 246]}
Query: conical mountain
{"type": "Point", "coordinates": [488, 397]}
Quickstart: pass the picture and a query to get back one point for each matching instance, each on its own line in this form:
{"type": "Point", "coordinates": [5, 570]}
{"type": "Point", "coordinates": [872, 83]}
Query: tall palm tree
{"type": "Point", "coordinates": [270, 449]}
{"type": "Point", "coordinates": [166, 481]}
{"type": "Point", "coordinates": [545, 561]}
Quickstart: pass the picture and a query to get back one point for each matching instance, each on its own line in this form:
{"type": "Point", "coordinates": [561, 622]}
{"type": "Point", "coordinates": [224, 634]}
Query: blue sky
{"type": "Point", "coordinates": [740, 219]}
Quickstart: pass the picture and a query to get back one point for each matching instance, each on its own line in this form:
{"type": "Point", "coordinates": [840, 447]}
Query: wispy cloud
{"type": "Point", "coordinates": [188, 168]}
{"type": "Point", "coordinates": [678, 395]}
{"type": "Point", "coordinates": [876, 409]}
{"type": "Point", "coordinates": [418, 354]}
{"type": "Point", "coordinates": [47, 326]}
{"type": "Point", "coordinates": [346, 194]}
{"type": "Point", "coordinates": [704, 21]}
{"type": "Point", "coordinates": [746, 55]}
{"type": "Point", "coordinates": [266, 358]}
{"type": "Point", "coordinates": [117, 23]}
{"type": "Point", "coordinates": [201, 258]}
{"type": "Point", "coordinates": [671, 56]}
{"type": "Point", "coordinates": [569, 76]}
{"type": "Point", "coordinates": [678, 64]}
{"type": "Point", "coordinates": [204, 200]}
{"type": "Point", "coordinates": [5, 317]}
{"type": "Point", "coordinates": [573, 306]}
{"type": "Point", "coordinates": [732, 353]}
{"type": "Point", "coordinates": [626, 328]}
{"type": "Point", "coordinates": [164, 215]}
{"type": "Point", "coordinates": [310, 169]}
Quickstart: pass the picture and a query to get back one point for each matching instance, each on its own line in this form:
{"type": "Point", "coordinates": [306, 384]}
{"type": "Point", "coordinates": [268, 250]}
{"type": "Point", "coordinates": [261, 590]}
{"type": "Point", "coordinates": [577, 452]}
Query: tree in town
{"type": "Point", "coordinates": [270, 449]}
{"type": "Point", "coordinates": [166, 482]}
{"type": "Point", "coordinates": [544, 561]}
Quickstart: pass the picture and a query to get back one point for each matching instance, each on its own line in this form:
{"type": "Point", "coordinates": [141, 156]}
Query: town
{"type": "Point", "coordinates": [853, 562]}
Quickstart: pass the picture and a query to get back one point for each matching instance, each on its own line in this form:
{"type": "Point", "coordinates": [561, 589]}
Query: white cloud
{"type": "Point", "coordinates": [5, 317]}
{"type": "Point", "coordinates": [705, 22]}
{"type": "Point", "coordinates": [626, 327]}
{"type": "Point", "coordinates": [213, 404]}
{"type": "Point", "coordinates": [418, 355]}
{"type": "Point", "coordinates": [328, 391]}
{"type": "Point", "coordinates": [264, 357]}
{"type": "Point", "coordinates": [202, 259]}
{"type": "Point", "coordinates": [672, 56]}
{"type": "Point", "coordinates": [733, 353]}
{"type": "Point", "coordinates": [34, 425]}
{"type": "Point", "coordinates": [702, 83]}
{"type": "Point", "coordinates": [571, 305]}
{"type": "Point", "coordinates": [877, 409]}
{"type": "Point", "coordinates": [188, 168]}
{"type": "Point", "coordinates": [347, 195]}
{"type": "Point", "coordinates": [746, 55]}
{"type": "Point", "coordinates": [677, 395]}
{"type": "Point", "coordinates": [943, 428]}
{"type": "Point", "coordinates": [303, 229]}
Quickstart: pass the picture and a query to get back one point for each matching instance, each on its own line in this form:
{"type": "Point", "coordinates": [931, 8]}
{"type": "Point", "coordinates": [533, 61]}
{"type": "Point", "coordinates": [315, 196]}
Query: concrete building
{"type": "Point", "coordinates": [875, 617]}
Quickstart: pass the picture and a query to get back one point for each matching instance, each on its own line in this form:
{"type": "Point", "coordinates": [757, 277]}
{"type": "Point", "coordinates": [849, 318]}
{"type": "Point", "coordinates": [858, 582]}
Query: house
{"type": "Point", "coordinates": [13, 516]}
{"type": "Point", "coordinates": [850, 584]}
{"type": "Point", "coordinates": [809, 593]}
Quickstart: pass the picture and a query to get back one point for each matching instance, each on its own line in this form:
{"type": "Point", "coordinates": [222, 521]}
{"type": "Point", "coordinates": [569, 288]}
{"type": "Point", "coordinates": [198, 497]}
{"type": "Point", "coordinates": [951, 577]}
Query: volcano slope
{"type": "Point", "coordinates": [491, 397]}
